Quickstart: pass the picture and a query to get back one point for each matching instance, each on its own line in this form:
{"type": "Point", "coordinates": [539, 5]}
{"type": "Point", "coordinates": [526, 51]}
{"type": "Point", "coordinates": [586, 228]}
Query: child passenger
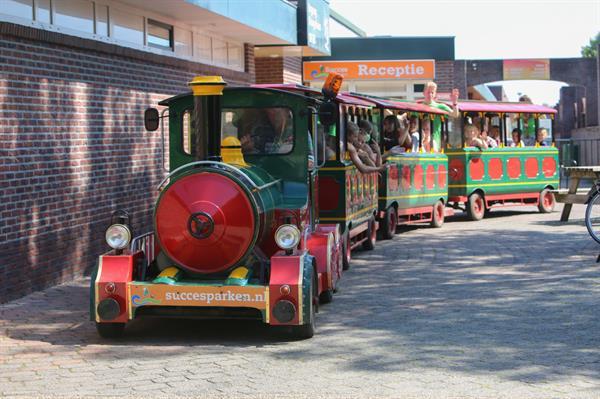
{"type": "Point", "coordinates": [357, 154]}
{"type": "Point", "coordinates": [516, 138]}
{"type": "Point", "coordinates": [473, 138]}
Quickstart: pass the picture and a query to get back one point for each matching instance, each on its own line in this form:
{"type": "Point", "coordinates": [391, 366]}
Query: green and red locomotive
{"type": "Point", "coordinates": [236, 227]}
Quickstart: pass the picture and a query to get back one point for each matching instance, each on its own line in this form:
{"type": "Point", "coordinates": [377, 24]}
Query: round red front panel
{"type": "Point", "coordinates": [205, 222]}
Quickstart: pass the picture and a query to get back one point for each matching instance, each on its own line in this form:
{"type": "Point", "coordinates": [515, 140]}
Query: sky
{"type": "Point", "coordinates": [486, 29]}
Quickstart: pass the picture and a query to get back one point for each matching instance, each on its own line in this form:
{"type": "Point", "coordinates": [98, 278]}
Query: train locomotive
{"type": "Point", "coordinates": [236, 228]}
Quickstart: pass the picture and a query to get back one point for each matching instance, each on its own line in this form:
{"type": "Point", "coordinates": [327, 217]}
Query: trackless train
{"type": "Point", "coordinates": [263, 205]}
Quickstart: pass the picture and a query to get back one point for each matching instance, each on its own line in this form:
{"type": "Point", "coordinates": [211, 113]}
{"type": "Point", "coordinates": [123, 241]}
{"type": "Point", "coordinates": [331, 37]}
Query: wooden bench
{"type": "Point", "coordinates": [573, 195]}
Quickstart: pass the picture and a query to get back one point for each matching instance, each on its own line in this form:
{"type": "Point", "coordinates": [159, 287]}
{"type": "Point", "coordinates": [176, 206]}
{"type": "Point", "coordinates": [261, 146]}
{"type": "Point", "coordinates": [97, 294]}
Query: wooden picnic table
{"type": "Point", "coordinates": [572, 195]}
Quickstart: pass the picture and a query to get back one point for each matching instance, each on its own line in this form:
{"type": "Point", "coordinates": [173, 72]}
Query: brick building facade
{"type": "Point", "coordinates": [74, 147]}
{"type": "Point", "coordinates": [75, 79]}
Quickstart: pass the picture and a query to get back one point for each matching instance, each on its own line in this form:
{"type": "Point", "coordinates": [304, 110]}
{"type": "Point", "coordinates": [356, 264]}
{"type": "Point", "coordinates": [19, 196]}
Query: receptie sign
{"type": "Point", "coordinates": [532, 69]}
{"type": "Point", "coordinates": [370, 70]}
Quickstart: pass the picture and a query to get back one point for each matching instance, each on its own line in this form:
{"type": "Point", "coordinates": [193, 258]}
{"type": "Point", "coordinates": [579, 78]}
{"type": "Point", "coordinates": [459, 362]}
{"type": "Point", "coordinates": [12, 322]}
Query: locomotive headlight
{"type": "Point", "coordinates": [287, 236]}
{"type": "Point", "coordinates": [118, 236]}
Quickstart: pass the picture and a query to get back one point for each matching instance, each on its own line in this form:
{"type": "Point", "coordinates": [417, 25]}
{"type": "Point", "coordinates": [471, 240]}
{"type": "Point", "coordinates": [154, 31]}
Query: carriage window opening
{"type": "Point", "coordinates": [267, 131]}
{"type": "Point", "coordinates": [455, 135]}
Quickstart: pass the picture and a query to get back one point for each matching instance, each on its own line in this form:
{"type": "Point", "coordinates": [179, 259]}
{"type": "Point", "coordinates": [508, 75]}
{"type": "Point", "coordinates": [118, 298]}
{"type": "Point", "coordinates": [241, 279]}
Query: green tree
{"type": "Point", "coordinates": [591, 50]}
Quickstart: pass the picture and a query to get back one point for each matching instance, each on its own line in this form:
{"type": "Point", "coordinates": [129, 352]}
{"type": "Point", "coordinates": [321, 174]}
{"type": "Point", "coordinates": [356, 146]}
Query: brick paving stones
{"type": "Point", "coordinates": [504, 308]}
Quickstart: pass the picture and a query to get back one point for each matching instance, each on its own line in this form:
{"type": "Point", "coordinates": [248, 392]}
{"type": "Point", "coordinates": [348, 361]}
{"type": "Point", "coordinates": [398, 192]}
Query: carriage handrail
{"type": "Point", "coordinates": [223, 165]}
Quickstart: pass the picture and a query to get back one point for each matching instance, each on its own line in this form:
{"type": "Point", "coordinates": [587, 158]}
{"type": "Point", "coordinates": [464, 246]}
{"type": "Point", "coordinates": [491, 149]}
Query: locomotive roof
{"type": "Point", "coordinates": [398, 105]}
{"type": "Point", "coordinates": [342, 98]}
{"type": "Point", "coordinates": [167, 101]}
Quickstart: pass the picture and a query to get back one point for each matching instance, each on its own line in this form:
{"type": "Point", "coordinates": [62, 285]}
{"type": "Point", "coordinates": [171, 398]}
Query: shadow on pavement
{"type": "Point", "coordinates": [513, 300]}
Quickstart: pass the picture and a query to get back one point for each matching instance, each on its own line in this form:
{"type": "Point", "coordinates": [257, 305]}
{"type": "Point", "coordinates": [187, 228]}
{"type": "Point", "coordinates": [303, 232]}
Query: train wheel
{"type": "Point", "coordinates": [369, 245]}
{"type": "Point", "coordinates": [388, 224]}
{"type": "Point", "coordinates": [110, 330]}
{"type": "Point", "coordinates": [326, 296]}
{"type": "Point", "coordinates": [476, 207]}
{"type": "Point", "coordinates": [437, 215]}
{"type": "Point", "coordinates": [307, 330]}
{"type": "Point", "coordinates": [346, 251]}
{"type": "Point", "coordinates": [547, 201]}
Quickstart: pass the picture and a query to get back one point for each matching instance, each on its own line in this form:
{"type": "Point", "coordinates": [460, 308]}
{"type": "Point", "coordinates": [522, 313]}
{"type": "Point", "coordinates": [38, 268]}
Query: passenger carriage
{"type": "Point", "coordinates": [236, 224]}
{"type": "Point", "coordinates": [413, 188]}
{"type": "Point", "coordinates": [493, 177]}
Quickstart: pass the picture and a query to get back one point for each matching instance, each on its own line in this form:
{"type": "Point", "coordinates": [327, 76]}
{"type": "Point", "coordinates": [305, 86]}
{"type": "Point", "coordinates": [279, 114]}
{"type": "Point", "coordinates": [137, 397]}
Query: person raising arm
{"type": "Point", "coordinates": [354, 149]}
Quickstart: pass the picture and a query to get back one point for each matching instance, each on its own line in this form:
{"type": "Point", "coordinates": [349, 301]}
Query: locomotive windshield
{"type": "Point", "coordinates": [260, 130]}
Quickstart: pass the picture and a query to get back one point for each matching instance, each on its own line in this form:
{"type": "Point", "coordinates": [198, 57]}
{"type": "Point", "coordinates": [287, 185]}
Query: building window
{"type": "Point", "coordinates": [160, 35]}
{"type": "Point", "coordinates": [202, 47]}
{"type": "Point", "coordinates": [18, 8]}
{"type": "Point", "coordinates": [419, 88]}
{"type": "Point", "coordinates": [219, 51]}
{"type": "Point", "coordinates": [183, 42]}
{"type": "Point", "coordinates": [127, 27]}
{"type": "Point", "coordinates": [235, 56]}
{"type": "Point", "coordinates": [76, 15]}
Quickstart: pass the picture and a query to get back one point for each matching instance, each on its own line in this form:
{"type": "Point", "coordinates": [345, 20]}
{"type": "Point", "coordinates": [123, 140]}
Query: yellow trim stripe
{"type": "Point", "coordinates": [504, 153]}
{"type": "Point", "coordinates": [352, 215]}
{"type": "Point", "coordinates": [443, 194]}
{"type": "Point", "coordinates": [96, 286]}
{"type": "Point", "coordinates": [396, 158]}
{"type": "Point", "coordinates": [300, 292]}
{"type": "Point", "coordinates": [525, 183]}
{"type": "Point", "coordinates": [268, 307]}
{"type": "Point", "coordinates": [337, 167]}
{"type": "Point", "coordinates": [128, 299]}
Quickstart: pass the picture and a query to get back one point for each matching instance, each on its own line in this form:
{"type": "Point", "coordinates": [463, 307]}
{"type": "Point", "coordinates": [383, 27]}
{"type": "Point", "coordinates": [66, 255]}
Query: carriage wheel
{"type": "Point", "coordinates": [388, 224]}
{"type": "Point", "coordinates": [307, 330]}
{"type": "Point", "coordinates": [437, 214]}
{"type": "Point", "coordinates": [369, 244]}
{"type": "Point", "coordinates": [476, 207]}
{"type": "Point", "coordinates": [547, 201]}
{"type": "Point", "coordinates": [346, 251]}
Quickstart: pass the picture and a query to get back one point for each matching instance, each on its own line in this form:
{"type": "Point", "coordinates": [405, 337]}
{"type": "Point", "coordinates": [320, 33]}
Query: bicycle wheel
{"type": "Point", "coordinates": [592, 217]}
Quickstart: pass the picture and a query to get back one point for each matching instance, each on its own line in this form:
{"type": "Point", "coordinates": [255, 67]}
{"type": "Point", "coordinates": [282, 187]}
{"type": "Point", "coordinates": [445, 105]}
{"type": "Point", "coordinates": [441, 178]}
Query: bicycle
{"type": "Point", "coordinates": [592, 212]}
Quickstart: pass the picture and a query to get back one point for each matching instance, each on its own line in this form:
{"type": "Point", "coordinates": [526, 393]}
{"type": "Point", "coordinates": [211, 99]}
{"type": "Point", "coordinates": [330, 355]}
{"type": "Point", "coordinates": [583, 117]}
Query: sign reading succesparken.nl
{"type": "Point", "coordinates": [366, 70]}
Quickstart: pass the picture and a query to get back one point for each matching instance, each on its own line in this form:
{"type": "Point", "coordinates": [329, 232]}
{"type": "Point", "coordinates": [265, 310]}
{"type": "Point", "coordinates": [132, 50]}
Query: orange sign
{"type": "Point", "coordinates": [526, 69]}
{"type": "Point", "coordinates": [368, 70]}
{"type": "Point", "coordinates": [194, 295]}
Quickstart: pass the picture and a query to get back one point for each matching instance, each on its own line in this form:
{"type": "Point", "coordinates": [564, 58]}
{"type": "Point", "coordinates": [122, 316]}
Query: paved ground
{"type": "Point", "coordinates": [508, 307]}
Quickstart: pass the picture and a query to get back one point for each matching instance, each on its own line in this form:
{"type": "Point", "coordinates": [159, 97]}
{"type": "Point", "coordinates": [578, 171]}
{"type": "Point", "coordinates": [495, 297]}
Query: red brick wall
{"type": "Point", "coordinates": [444, 76]}
{"type": "Point", "coordinates": [279, 70]}
{"type": "Point", "coordinates": [269, 70]}
{"type": "Point", "coordinates": [73, 148]}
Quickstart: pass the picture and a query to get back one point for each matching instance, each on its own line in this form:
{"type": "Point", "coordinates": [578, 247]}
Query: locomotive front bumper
{"type": "Point", "coordinates": [163, 299]}
{"type": "Point", "coordinates": [118, 297]}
